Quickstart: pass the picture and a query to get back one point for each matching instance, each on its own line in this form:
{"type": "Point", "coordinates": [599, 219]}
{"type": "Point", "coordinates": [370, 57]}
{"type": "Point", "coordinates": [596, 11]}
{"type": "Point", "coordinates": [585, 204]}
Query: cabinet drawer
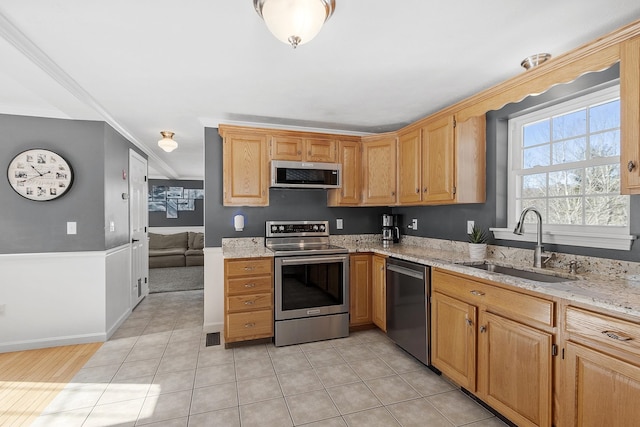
{"type": "Point", "coordinates": [248, 266]}
{"type": "Point", "coordinates": [251, 285]}
{"type": "Point", "coordinates": [249, 302]}
{"type": "Point", "coordinates": [249, 325]}
{"type": "Point", "coordinates": [515, 304]}
{"type": "Point", "coordinates": [604, 329]}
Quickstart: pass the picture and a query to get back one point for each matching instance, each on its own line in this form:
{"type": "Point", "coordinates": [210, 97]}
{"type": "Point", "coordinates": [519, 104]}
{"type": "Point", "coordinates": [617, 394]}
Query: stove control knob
{"type": "Point", "coordinates": [322, 228]}
{"type": "Point", "coordinates": [274, 228]}
{"type": "Point", "coordinates": [315, 228]}
{"type": "Point", "coordinates": [282, 228]}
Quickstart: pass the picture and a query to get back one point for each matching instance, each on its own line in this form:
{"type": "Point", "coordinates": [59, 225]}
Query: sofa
{"type": "Point", "coordinates": [176, 250]}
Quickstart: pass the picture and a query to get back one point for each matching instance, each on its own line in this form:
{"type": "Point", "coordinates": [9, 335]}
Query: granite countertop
{"type": "Point", "coordinates": [613, 293]}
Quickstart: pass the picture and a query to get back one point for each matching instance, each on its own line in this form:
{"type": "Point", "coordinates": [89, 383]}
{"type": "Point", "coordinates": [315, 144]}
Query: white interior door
{"type": "Point", "coordinates": [138, 221]}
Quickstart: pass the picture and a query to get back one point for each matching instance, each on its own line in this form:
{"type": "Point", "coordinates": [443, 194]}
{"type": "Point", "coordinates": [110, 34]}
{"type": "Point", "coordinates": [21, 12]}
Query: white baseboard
{"type": "Point", "coordinates": [213, 327]}
{"type": "Point", "coordinates": [51, 342]}
{"type": "Point", "coordinates": [117, 324]}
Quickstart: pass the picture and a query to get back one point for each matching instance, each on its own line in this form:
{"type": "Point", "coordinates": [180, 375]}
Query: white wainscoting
{"type": "Point", "coordinates": [61, 298]}
{"type": "Point", "coordinates": [213, 290]}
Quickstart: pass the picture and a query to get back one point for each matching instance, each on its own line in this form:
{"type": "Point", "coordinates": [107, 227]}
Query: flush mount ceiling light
{"type": "Point", "coordinates": [167, 143]}
{"type": "Point", "coordinates": [295, 21]}
{"type": "Point", "coordinates": [535, 60]}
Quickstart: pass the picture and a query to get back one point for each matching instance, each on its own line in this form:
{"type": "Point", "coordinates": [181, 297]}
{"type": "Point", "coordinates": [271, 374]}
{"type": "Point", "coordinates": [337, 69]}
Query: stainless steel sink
{"type": "Point", "coordinates": [524, 274]}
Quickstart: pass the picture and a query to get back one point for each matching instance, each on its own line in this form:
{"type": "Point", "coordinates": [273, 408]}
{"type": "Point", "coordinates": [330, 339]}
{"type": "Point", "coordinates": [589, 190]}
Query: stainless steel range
{"type": "Point", "coordinates": [311, 282]}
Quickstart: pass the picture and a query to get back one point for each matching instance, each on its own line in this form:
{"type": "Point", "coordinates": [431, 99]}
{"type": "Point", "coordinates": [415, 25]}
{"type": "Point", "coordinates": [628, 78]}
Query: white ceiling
{"type": "Point", "coordinates": [150, 65]}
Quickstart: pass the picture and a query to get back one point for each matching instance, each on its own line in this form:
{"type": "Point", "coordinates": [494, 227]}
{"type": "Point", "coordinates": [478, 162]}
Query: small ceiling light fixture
{"type": "Point", "coordinates": [295, 21]}
{"type": "Point", "coordinates": [535, 60]}
{"type": "Point", "coordinates": [167, 143]}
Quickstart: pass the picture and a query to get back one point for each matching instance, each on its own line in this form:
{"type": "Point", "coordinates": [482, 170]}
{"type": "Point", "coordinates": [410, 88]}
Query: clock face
{"type": "Point", "coordinates": [39, 174]}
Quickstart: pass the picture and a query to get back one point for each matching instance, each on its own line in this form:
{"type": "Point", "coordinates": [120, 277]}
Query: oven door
{"type": "Point", "coordinates": [308, 286]}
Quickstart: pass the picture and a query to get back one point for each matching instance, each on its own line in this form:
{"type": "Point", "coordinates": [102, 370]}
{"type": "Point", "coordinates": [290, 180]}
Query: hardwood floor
{"type": "Point", "coordinates": [29, 380]}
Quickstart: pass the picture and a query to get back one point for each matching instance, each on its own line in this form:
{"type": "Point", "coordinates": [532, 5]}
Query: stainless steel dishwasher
{"type": "Point", "coordinates": [408, 308]}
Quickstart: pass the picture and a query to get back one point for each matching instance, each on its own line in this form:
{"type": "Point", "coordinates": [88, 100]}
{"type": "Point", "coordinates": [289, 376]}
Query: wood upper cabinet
{"type": "Point", "coordinates": [630, 116]}
{"type": "Point", "coordinates": [359, 289]}
{"type": "Point", "coordinates": [505, 358]}
{"type": "Point", "coordinates": [379, 291]}
{"type": "Point", "coordinates": [379, 170]}
{"type": "Point", "coordinates": [245, 174]}
{"type": "Point", "coordinates": [301, 148]}
{"type": "Point", "coordinates": [601, 370]}
{"type": "Point", "coordinates": [438, 161]}
{"type": "Point", "coordinates": [410, 167]}
{"type": "Point", "coordinates": [350, 157]}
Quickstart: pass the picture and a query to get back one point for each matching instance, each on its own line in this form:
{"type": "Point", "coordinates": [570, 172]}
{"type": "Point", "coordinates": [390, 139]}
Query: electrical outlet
{"type": "Point", "coordinates": [414, 224]}
{"type": "Point", "coordinates": [470, 225]}
{"type": "Point", "coordinates": [339, 223]}
{"type": "Point", "coordinates": [71, 228]}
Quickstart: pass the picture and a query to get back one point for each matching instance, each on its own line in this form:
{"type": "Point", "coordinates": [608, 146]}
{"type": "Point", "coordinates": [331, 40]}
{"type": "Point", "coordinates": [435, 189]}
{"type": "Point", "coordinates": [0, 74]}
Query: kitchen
{"type": "Point", "coordinates": [312, 204]}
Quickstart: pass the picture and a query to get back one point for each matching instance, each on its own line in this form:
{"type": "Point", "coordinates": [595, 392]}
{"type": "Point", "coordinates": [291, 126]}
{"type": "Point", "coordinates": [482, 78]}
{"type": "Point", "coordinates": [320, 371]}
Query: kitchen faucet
{"type": "Point", "coordinates": [539, 260]}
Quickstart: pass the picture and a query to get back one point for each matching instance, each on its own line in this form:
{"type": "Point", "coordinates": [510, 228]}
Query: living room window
{"type": "Point", "coordinates": [565, 161]}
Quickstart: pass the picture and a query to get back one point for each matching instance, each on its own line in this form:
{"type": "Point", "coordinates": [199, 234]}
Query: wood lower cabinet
{"type": "Point", "coordinates": [453, 339]}
{"type": "Point", "coordinates": [245, 173]}
{"type": "Point", "coordinates": [514, 370]}
{"type": "Point", "coordinates": [360, 289]}
{"type": "Point", "coordinates": [379, 170]}
{"type": "Point", "coordinates": [350, 157]}
{"type": "Point", "coordinates": [506, 354]}
{"type": "Point", "coordinates": [379, 291]}
{"type": "Point", "coordinates": [248, 293]}
{"type": "Point", "coordinates": [601, 370]}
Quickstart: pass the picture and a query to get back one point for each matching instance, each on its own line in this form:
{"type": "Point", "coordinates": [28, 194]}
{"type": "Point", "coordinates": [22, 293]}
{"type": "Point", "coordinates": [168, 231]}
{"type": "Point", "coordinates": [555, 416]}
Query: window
{"type": "Point", "coordinates": [565, 161]}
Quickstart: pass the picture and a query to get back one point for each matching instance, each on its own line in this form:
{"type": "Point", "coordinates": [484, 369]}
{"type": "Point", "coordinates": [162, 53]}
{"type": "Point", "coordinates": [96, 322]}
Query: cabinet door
{"type": "Point", "coordinates": [601, 390]}
{"type": "Point", "coordinates": [286, 148]}
{"type": "Point", "coordinates": [409, 167]}
{"type": "Point", "coordinates": [320, 150]}
{"type": "Point", "coordinates": [514, 370]}
{"type": "Point", "coordinates": [379, 285]}
{"type": "Point", "coordinates": [438, 161]}
{"type": "Point", "coordinates": [630, 116]}
{"type": "Point", "coordinates": [350, 157]}
{"type": "Point", "coordinates": [245, 170]}
{"type": "Point", "coordinates": [379, 170]}
{"type": "Point", "coordinates": [453, 339]}
{"type": "Point", "coordinates": [359, 289]}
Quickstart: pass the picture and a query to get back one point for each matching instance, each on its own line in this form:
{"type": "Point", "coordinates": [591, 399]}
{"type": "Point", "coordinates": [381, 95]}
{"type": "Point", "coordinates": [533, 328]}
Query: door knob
{"type": "Point", "coordinates": [135, 240]}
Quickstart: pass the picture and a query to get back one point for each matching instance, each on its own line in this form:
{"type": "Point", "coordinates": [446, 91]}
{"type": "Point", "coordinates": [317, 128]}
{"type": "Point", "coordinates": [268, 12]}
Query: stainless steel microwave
{"type": "Point", "coordinates": [305, 174]}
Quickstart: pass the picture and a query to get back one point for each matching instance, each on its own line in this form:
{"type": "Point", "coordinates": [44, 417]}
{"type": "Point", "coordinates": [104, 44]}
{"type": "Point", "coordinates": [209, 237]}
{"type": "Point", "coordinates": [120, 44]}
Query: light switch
{"type": "Point", "coordinates": [339, 224]}
{"type": "Point", "coordinates": [71, 227]}
{"type": "Point", "coordinates": [112, 226]}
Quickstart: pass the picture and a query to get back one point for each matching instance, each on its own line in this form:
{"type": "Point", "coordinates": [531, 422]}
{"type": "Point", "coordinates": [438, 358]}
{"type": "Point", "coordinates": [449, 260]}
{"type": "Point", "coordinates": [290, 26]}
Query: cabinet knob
{"type": "Point", "coordinates": [393, 193]}
{"type": "Point", "coordinates": [483, 329]}
{"type": "Point", "coordinates": [631, 165]}
{"type": "Point", "coordinates": [468, 321]}
{"type": "Point", "coordinates": [417, 190]}
{"type": "Point", "coordinates": [249, 325]}
{"type": "Point", "coordinates": [425, 190]}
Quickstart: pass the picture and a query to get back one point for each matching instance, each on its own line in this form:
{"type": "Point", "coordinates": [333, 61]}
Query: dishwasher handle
{"type": "Point", "coordinates": [405, 271]}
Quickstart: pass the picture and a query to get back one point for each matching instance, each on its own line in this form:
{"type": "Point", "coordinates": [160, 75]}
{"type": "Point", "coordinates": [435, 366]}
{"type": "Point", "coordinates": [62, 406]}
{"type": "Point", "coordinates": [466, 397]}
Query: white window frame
{"type": "Point", "coordinates": [608, 237]}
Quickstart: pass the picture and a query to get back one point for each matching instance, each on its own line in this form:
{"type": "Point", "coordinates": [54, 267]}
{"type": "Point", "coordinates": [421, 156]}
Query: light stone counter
{"type": "Point", "coordinates": [609, 284]}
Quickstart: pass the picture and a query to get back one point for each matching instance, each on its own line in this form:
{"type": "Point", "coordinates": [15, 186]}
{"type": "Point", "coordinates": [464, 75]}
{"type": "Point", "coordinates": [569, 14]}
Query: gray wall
{"type": "Point", "coordinates": [185, 218]}
{"type": "Point", "coordinates": [285, 204]}
{"type": "Point", "coordinates": [97, 155]}
{"type": "Point", "coordinates": [449, 222]}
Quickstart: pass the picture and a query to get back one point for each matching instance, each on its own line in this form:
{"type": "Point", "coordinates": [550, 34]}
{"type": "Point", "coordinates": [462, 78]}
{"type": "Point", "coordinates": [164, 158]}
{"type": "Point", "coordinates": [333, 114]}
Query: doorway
{"type": "Point", "coordinates": [138, 220]}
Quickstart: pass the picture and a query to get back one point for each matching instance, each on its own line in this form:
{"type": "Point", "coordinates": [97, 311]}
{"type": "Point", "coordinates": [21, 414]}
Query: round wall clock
{"type": "Point", "coordinates": [39, 174]}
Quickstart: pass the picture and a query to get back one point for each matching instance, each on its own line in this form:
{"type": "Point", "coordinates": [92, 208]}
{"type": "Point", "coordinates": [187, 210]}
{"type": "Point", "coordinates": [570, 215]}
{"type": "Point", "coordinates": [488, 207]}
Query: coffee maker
{"type": "Point", "coordinates": [390, 230]}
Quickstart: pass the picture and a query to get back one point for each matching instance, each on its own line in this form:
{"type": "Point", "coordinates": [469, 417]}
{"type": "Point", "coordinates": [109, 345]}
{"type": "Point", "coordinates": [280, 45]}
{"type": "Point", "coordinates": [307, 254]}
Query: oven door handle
{"type": "Point", "coordinates": [313, 260]}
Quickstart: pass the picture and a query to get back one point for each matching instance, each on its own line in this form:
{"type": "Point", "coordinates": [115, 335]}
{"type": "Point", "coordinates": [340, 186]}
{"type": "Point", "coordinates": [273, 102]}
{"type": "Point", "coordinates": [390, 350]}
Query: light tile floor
{"type": "Point", "coordinates": [157, 371]}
